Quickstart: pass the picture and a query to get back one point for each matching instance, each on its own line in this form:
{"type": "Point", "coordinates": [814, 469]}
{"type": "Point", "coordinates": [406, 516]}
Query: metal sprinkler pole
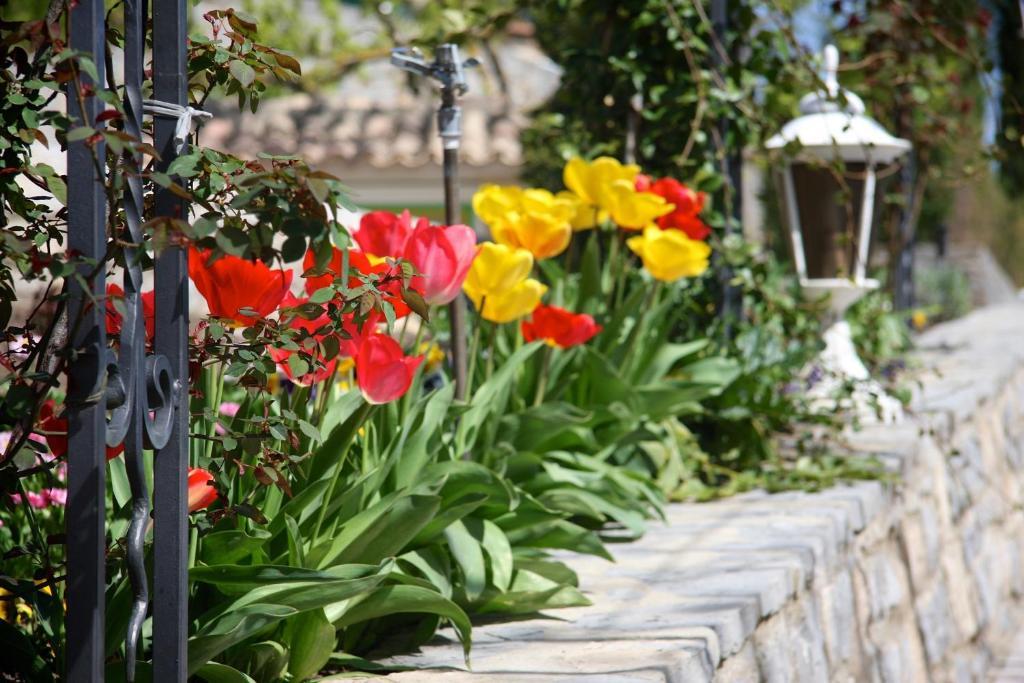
{"type": "Point", "coordinates": [448, 70]}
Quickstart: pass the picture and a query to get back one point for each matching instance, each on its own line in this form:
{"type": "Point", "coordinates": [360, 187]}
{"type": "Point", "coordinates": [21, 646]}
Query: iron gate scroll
{"type": "Point", "coordinates": [132, 395]}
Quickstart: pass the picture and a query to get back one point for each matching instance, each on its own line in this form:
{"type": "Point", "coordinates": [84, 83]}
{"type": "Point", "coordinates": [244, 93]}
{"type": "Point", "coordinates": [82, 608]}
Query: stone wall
{"type": "Point", "coordinates": [914, 581]}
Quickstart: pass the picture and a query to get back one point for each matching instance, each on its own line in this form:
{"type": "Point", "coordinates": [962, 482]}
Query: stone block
{"type": "Point", "coordinates": [593, 661]}
{"type": "Point", "coordinates": [960, 589]}
{"type": "Point", "coordinates": [839, 622]}
{"type": "Point", "coordinates": [740, 668]}
{"type": "Point", "coordinates": [900, 656]}
{"type": "Point", "coordinates": [919, 535]}
{"type": "Point", "coordinates": [935, 623]}
{"type": "Point", "coordinates": [886, 581]}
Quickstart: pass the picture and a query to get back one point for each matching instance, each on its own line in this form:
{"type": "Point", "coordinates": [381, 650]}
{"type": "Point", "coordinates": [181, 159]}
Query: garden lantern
{"type": "Point", "coordinates": [830, 191]}
{"type": "Point", "coordinates": [830, 187]}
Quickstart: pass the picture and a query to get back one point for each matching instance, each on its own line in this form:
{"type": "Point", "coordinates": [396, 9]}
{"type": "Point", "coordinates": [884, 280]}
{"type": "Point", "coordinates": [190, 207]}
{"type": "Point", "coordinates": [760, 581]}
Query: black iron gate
{"type": "Point", "coordinates": [134, 395]}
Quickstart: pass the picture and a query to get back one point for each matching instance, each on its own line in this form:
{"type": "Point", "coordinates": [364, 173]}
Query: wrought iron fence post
{"type": "Point", "coordinates": [171, 534]}
{"type": "Point", "coordinates": [85, 513]}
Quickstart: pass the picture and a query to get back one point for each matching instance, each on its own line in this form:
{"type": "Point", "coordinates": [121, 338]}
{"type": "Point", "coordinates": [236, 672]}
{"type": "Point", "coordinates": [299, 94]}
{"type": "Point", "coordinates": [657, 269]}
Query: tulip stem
{"type": "Point", "coordinates": [491, 345]}
{"type": "Point", "coordinates": [475, 347]}
{"type": "Point", "coordinates": [325, 394]}
{"type": "Point", "coordinates": [216, 390]}
{"type": "Point", "coordinates": [360, 418]}
{"type": "Point", "coordinates": [542, 379]}
{"type": "Point", "coordinates": [623, 272]}
{"type": "Point", "coordinates": [613, 257]}
{"type": "Point", "coordinates": [417, 380]}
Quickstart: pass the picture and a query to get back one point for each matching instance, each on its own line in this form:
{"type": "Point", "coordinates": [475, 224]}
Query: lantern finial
{"type": "Point", "coordinates": [831, 57]}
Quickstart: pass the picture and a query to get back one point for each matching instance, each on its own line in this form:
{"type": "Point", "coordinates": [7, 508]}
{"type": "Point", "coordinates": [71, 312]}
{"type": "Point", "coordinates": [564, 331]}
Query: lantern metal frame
{"type": "Point", "coordinates": [833, 127]}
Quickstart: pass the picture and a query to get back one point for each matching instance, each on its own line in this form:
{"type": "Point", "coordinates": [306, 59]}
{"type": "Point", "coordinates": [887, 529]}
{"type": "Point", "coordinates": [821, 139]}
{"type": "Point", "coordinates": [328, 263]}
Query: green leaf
{"type": "Point", "coordinates": [231, 545]}
{"type": "Point", "coordinates": [80, 133]}
{"type": "Point", "coordinates": [450, 512]}
{"type": "Point", "coordinates": [667, 355]}
{"type": "Point", "coordinates": [232, 628]}
{"type": "Point", "coordinates": [433, 564]}
{"type": "Point", "coordinates": [380, 531]}
{"type": "Point", "coordinates": [298, 365]}
{"type": "Point", "coordinates": [407, 599]}
{"type": "Point", "coordinates": [469, 555]}
{"type": "Point", "coordinates": [59, 188]}
{"type": "Point", "coordinates": [499, 551]}
{"type": "Point", "coordinates": [242, 72]}
{"type": "Point", "coordinates": [184, 166]}
{"type": "Point", "coordinates": [558, 534]}
{"type": "Point", "coordinates": [312, 642]}
{"type": "Point", "coordinates": [265, 578]}
{"type": "Point", "coordinates": [215, 672]}
{"type": "Point", "coordinates": [267, 605]}
{"type": "Point", "coordinates": [531, 593]}
{"type": "Point", "coordinates": [296, 552]}
{"type": "Point", "coordinates": [119, 482]}
{"type": "Point", "coordinates": [267, 661]}
{"type": "Point", "coordinates": [322, 295]}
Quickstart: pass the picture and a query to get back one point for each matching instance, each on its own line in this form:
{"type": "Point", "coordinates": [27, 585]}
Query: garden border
{"type": "Point", "coordinates": [915, 581]}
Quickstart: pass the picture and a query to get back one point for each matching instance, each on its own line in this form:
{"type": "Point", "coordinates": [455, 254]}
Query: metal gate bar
{"type": "Point", "coordinates": [86, 543]}
{"type": "Point", "coordinates": [170, 551]}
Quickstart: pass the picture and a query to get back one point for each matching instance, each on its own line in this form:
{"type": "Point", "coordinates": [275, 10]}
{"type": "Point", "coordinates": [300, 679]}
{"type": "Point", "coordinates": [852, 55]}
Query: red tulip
{"type": "Point", "coordinates": [323, 369]}
{"type": "Point", "coordinates": [55, 431]}
{"type": "Point", "coordinates": [443, 255]}
{"type": "Point", "coordinates": [559, 327]}
{"type": "Point", "coordinates": [382, 233]}
{"type": "Point", "coordinates": [230, 284]}
{"type": "Point", "coordinates": [114, 316]}
{"type": "Point", "coordinates": [383, 372]}
{"type": "Point", "coordinates": [201, 490]}
{"type": "Point", "coordinates": [688, 205]}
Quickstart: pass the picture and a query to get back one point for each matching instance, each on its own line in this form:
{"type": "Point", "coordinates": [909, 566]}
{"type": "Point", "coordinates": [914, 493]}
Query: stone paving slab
{"type": "Point", "coordinates": [690, 592]}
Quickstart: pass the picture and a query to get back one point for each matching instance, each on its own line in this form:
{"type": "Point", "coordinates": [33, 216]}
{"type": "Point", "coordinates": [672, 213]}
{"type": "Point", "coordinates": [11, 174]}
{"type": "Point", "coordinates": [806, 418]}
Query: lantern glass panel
{"type": "Point", "coordinates": [830, 215]}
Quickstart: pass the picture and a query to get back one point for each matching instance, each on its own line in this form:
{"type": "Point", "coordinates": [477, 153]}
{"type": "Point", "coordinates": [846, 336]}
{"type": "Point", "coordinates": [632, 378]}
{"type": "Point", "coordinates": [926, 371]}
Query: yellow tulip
{"type": "Point", "coordinates": [584, 216]}
{"type": "Point", "coordinates": [634, 210]}
{"type": "Point", "coordinates": [532, 219]}
{"type": "Point", "coordinates": [669, 254]}
{"type": "Point", "coordinates": [536, 200]}
{"type": "Point", "coordinates": [542, 234]}
{"type": "Point", "coordinates": [497, 203]}
{"type": "Point", "coordinates": [590, 181]}
{"type": "Point", "coordinates": [497, 268]}
{"type": "Point", "coordinates": [513, 304]}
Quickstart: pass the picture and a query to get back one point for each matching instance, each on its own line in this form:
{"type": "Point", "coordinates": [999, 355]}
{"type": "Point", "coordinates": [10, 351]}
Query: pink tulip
{"type": "Point", "coordinates": [382, 233]}
{"type": "Point", "coordinates": [443, 255]}
{"type": "Point", "coordinates": [35, 500]}
{"type": "Point", "coordinates": [56, 496]}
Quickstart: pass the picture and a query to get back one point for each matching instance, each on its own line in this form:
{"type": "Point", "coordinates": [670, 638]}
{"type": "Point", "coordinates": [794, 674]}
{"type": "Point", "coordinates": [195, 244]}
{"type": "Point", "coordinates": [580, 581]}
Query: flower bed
{"type": "Point", "coordinates": [345, 500]}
